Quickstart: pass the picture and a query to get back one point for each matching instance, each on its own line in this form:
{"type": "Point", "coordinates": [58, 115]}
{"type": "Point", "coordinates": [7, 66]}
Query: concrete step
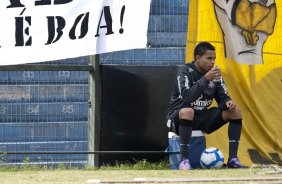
{"type": "Point", "coordinates": [43, 112]}
{"type": "Point", "coordinates": [57, 146]}
{"type": "Point", "coordinates": [169, 7]}
{"type": "Point", "coordinates": [167, 39]}
{"type": "Point", "coordinates": [168, 23]}
{"type": "Point", "coordinates": [149, 56]}
{"type": "Point", "coordinates": [44, 93]}
{"type": "Point", "coordinates": [43, 131]}
{"type": "Point", "coordinates": [84, 60]}
{"type": "Point", "coordinates": [43, 77]}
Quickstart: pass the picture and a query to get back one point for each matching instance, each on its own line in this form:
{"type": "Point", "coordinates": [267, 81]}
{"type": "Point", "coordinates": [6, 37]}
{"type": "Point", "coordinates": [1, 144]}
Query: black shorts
{"type": "Point", "coordinates": [207, 120]}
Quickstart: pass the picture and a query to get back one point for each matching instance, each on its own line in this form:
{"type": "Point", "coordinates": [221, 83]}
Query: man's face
{"type": "Point", "coordinates": [206, 62]}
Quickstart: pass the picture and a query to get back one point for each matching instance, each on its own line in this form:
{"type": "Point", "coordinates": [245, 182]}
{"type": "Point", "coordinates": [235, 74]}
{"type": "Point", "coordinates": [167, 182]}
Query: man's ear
{"type": "Point", "coordinates": [198, 57]}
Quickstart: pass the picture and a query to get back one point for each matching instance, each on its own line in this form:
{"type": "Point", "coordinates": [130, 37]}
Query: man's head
{"type": "Point", "coordinates": [204, 54]}
{"type": "Point", "coordinates": [201, 48]}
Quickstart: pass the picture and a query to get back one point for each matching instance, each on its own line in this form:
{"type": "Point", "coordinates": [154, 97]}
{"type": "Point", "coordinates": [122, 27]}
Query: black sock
{"type": "Point", "coordinates": [185, 131]}
{"type": "Point", "coordinates": [234, 133]}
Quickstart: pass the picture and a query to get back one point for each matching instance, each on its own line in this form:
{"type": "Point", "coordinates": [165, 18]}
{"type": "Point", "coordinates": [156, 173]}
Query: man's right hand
{"type": "Point", "coordinates": [213, 73]}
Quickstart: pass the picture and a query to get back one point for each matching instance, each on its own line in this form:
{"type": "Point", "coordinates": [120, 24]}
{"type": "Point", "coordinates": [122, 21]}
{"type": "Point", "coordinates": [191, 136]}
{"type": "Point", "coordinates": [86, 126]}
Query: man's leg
{"type": "Point", "coordinates": [220, 118]}
{"type": "Point", "coordinates": [185, 131]}
{"type": "Point", "coordinates": [234, 133]}
{"type": "Point", "coordinates": [186, 116]}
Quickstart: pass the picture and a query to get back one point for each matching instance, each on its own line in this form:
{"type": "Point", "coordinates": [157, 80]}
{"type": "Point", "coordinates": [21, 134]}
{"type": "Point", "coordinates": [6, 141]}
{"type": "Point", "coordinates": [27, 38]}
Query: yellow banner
{"type": "Point", "coordinates": [248, 41]}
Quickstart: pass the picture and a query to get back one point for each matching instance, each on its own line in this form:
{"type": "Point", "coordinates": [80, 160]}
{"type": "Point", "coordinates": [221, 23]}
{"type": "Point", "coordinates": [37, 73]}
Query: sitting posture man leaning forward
{"type": "Point", "coordinates": [194, 90]}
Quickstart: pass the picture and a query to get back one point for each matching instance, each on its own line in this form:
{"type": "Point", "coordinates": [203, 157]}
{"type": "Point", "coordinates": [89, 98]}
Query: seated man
{"type": "Point", "coordinates": [197, 83]}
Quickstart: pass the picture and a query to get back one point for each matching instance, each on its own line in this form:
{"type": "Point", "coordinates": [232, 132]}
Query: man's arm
{"type": "Point", "coordinates": [221, 95]}
{"type": "Point", "coordinates": [189, 89]}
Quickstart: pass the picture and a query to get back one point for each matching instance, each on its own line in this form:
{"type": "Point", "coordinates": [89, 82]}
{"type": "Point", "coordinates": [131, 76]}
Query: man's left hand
{"type": "Point", "coordinates": [230, 105]}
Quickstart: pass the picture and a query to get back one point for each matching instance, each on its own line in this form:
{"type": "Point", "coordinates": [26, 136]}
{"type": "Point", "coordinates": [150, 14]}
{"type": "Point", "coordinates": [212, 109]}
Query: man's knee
{"type": "Point", "coordinates": [232, 114]}
{"type": "Point", "coordinates": [237, 113]}
{"type": "Point", "coordinates": [186, 113]}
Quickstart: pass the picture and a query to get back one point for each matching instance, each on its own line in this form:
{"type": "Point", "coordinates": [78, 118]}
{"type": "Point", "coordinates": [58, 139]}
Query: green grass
{"type": "Point", "coordinates": [138, 165]}
{"type": "Point", "coordinates": [62, 174]}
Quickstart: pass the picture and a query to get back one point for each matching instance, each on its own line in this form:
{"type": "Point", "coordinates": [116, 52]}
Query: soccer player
{"type": "Point", "coordinates": [197, 84]}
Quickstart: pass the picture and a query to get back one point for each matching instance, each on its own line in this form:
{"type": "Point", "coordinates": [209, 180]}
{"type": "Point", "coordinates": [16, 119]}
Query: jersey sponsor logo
{"type": "Point", "coordinates": [201, 104]}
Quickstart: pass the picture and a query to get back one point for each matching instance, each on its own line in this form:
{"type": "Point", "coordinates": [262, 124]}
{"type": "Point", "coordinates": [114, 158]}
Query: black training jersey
{"type": "Point", "coordinates": [192, 89]}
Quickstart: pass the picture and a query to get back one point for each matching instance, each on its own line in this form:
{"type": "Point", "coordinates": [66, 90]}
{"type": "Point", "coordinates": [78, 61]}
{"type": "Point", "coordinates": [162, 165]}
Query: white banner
{"type": "Point", "coordinates": [44, 30]}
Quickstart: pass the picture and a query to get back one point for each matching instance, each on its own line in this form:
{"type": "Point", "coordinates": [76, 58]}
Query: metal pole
{"type": "Point", "coordinates": [94, 119]}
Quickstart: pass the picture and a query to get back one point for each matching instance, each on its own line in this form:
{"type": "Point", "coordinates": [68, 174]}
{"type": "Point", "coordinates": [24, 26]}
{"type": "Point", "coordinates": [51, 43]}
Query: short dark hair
{"type": "Point", "coordinates": [201, 48]}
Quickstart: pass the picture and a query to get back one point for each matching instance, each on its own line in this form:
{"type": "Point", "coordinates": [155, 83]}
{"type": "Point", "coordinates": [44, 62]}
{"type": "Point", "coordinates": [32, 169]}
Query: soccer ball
{"type": "Point", "coordinates": [211, 158]}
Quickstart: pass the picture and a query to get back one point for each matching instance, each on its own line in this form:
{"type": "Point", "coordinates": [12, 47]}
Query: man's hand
{"type": "Point", "coordinates": [213, 73]}
{"type": "Point", "coordinates": [230, 105]}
